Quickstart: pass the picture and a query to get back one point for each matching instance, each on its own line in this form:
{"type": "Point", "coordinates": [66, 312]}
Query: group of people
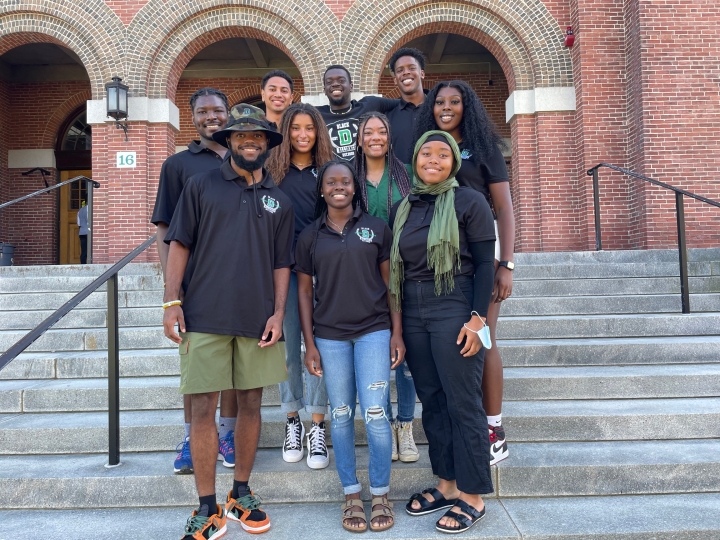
{"type": "Point", "coordinates": [373, 235]}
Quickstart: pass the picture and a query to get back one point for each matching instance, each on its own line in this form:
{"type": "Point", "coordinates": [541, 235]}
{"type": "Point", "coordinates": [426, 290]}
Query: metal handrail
{"type": "Point", "coordinates": [111, 277]}
{"type": "Point", "coordinates": [90, 185]}
{"type": "Point", "coordinates": [679, 213]}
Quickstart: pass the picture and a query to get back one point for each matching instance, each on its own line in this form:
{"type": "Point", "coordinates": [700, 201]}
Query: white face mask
{"type": "Point", "coordinates": [484, 335]}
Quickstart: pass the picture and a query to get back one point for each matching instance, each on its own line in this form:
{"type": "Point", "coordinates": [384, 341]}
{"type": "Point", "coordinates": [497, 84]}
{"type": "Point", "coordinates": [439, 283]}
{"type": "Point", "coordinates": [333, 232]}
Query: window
{"type": "Point", "coordinates": [78, 136]}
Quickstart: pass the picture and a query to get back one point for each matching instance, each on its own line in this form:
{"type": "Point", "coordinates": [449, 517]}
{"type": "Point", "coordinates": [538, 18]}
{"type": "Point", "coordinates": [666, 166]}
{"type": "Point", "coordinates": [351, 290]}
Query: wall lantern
{"type": "Point", "coordinates": [117, 103]}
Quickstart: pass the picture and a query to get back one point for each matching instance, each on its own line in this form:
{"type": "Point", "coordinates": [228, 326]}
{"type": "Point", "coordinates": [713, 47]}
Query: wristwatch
{"type": "Point", "coordinates": [508, 264]}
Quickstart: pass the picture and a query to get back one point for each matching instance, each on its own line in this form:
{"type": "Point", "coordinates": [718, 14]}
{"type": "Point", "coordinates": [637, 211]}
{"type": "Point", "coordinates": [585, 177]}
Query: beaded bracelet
{"type": "Point", "coordinates": [172, 303]}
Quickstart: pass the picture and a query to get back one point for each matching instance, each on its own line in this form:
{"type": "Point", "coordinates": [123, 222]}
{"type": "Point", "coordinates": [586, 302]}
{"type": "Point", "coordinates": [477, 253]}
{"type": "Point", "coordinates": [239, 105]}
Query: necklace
{"type": "Point", "coordinates": [338, 227]}
{"type": "Point", "coordinates": [343, 112]}
{"type": "Point", "coordinates": [301, 166]}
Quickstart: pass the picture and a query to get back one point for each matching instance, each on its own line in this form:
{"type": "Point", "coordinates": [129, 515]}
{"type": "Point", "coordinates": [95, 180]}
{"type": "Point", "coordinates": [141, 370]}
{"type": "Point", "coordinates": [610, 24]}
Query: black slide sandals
{"type": "Point", "coordinates": [427, 507]}
{"type": "Point", "coordinates": [464, 521]}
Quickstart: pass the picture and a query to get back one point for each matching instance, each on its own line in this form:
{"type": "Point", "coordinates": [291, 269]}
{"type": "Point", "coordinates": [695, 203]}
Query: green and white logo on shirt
{"type": "Point", "coordinates": [270, 204]}
{"type": "Point", "coordinates": [365, 234]}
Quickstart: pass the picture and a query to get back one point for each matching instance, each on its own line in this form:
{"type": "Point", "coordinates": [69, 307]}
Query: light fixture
{"type": "Point", "coordinates": [117, 103]}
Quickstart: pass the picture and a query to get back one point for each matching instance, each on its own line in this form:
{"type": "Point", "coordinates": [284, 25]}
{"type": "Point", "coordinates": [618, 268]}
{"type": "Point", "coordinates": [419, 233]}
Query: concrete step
{"type": "Point", "coordinates": [77, 270]}
{"type": "Point", "coordinates": [652, 256]}
{"type": "Point", "coordinates": [515, 353]}
{"type": "Point", "coordinates": [690, 516]}
{"type": "Point", "coordinates": [14, 302]}
{"type": "Point", "coordinates": [531, 421]}
{"type": "Point", "coordinates": [511, 328]}
{"type": "Point", "coordinates": [596, 270]}
{"type": "Point", "coordinates": [544, 383]}
{"type": "Point", "coordinates": [533, 470]}
{"type": "Point", "coordinates": [613, 286]}
{"type": "Point", "coordinates": [597, 305]}
{"type": "Point", "coordinates": [53, 283]}
{"type": "Point", "coordinates": [82, 318]}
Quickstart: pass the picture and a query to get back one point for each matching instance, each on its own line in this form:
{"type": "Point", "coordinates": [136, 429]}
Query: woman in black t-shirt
{"type": "Point", "coordinates": [348, 336]}
{"type": "Point", "coordinates": [293, 165]}
{"type": "Point", "coordinates": [441, 273]}
{"type": "Point", "coordinates": [454, 107]}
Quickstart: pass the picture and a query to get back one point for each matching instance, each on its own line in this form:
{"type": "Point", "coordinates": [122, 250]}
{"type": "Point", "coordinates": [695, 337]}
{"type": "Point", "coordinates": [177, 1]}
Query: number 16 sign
{"type": "Point", "coordinates": [125, 160]}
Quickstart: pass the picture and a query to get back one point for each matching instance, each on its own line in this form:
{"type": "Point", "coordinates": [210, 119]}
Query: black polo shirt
{"type": "Point", "coordinates": [301, 187]}
{"type": "Point", "coordinates": [350, 294]}
{"type": "Point", "coordinates": [475, 223]}
{"type": "Point", "coordinates": [480, 173]}
{"type": "Point", "coordinates": [343, 128]}
{"type": "Point", "coordinates": [402, 125]}
{"type": "Point", "coordinates": [175, 172]}
{"type": "Point", "coordinates": [228, 282]}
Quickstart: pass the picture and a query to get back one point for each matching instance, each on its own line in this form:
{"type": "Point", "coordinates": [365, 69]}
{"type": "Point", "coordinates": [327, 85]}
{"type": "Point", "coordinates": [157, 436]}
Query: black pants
{"type": "Point", "coordinates": [448, 384]}
{"type": "Point", "coordinates": [83, 249]}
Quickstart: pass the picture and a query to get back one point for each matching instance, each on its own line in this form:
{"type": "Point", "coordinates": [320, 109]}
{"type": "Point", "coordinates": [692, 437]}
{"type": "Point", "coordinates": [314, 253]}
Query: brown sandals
{"type": "Point", "coordinates": [384, 510]}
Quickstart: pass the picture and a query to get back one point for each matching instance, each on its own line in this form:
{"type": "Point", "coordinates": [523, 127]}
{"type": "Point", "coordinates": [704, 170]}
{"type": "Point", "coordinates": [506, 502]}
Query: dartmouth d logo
{"type": "Point", "coordinates": [365, 234]}
{"type": "Point", "coordinates": [465, 154]}
{"type": "Point", "coordinates": [270, 204]}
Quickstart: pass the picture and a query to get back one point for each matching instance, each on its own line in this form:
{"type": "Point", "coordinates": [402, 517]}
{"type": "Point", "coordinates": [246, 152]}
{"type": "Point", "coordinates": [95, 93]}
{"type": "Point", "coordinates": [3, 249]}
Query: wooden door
{"type": "Point", "coordinates": [70, 198]}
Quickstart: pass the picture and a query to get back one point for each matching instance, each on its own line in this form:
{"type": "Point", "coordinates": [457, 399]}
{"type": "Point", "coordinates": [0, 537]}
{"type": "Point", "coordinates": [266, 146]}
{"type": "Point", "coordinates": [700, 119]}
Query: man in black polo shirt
{"type": "Point", "coordinates": [341, 116]}
{"type": "Point", "coordinates": [407, 66]}
{"type": "Point", "coordinates": [209, 109]}
{"type": "Point", "coordinates": [231, 252]}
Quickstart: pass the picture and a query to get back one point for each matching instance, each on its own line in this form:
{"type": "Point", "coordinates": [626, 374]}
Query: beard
{"type": "Point", "coordinates": [247, 165]}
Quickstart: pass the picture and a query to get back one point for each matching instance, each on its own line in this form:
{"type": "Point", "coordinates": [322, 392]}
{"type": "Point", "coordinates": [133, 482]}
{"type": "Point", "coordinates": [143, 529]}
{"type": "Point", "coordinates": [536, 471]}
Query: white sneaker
{"type": "Point", "coordinates": [393, 430]}
{"type": "Point", "coordinates": [292, 450]}
{"type": "Point", "coordinates": [317, 449]}
{"type": "Point", "coordinates": [407, 451]}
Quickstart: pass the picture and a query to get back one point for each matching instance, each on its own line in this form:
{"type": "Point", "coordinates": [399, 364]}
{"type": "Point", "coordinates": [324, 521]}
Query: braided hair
{"type": "Point", "coordinates": [208, 92]}
{"type": "Point", "coordinates": [320, 204]}
{"type": "Point", "coordinates": [478, 132]}
{"type": "Point", "coordinates": [397, 171]}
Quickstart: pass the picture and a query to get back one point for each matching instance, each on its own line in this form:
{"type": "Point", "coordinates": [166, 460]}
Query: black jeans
{"type": "Point", "coordinates": [448, 384]}
{"type": "Point", "coordinates": [83, 249]}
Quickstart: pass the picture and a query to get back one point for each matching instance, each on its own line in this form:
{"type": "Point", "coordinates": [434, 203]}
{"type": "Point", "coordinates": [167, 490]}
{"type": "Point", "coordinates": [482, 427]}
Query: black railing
{"type": "Point", "coordinates": [90, 185]}
{"type": "Point", "coordinates": [111, 277]}
{"type": "Point", "coordinates": [679, 213]}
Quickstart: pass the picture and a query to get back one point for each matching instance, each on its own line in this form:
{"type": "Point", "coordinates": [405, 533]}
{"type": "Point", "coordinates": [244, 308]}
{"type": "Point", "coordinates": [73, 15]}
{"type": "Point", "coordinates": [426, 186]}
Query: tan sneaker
{"type": "Point", "coordinates": [407, 451]}
{"type": "Point", "coordinates": [393, 429]}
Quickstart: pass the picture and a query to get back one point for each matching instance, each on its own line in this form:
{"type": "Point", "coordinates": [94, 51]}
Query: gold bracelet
{"type": "Point", "coordinates": [172, 303]}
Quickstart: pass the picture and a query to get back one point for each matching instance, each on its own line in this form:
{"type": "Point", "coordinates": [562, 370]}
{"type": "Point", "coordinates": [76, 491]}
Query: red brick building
{"type": "Point", "coordinates": [639, 89]}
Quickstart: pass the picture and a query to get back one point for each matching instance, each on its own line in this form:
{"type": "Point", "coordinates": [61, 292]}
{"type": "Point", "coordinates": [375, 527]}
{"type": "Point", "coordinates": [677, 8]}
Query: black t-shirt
{"type": "Point", "coordinates": [478, 174]}
{"type": "Point", "coordinates": [228, 282]}
{"type": "Point", "coordinates": [475, 223]}
{"type": "Point", "coordinates": [402, 125]}
{"type": "Point", "coordinates": [301, 187]}
{"type": "Point", "coordinates": [351, 296]}
{"type": "Point", "coordinates": [175, 172]}
{"type": "Point", "coordinates": [343, 128]}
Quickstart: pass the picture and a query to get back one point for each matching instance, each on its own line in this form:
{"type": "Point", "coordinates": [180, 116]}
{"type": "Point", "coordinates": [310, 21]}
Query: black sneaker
{"type": "Point", "coordinates": [292, 450]}
{"type": "Point", "coordinates": [317, 449]}
{"type": "Point", "coordinates": [498, 446]}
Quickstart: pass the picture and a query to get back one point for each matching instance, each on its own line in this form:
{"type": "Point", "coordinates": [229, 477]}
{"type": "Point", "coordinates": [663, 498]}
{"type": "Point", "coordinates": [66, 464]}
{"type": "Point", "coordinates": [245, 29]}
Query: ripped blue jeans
{"type": "Point", "coordinates": [359, 368]}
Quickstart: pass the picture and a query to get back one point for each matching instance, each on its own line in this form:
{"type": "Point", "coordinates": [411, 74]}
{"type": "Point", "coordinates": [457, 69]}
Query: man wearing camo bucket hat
{"type": "Point", "coordinates": [231, 252]}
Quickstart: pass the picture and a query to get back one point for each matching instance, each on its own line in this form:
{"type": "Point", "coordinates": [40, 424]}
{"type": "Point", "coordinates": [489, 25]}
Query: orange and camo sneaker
{"type": "Point", "coordinates": [205, 528]}
{"type": "Point", "coordinates": [247, 511]}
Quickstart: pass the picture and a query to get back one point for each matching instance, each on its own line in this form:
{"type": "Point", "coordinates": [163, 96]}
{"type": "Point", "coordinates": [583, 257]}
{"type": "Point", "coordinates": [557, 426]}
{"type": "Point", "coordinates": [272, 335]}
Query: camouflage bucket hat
{"type": "Point", "coordinates": [244, 117]}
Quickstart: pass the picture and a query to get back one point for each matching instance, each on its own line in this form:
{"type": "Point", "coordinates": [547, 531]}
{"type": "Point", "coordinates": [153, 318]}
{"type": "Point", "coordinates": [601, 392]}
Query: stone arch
{"type": "Point", "coordinates": [162, 28]}
{"type": "Point", "coordinates": [90, 29]}
{"type": "Point", "coordinates": [526, 32]}
{"type": "Point", "coordinates": [59, 116]}
{"type": "Point", "coordinates": [176, 52]}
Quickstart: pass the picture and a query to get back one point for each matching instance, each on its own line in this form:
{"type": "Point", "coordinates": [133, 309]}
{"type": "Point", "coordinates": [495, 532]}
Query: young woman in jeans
{"type": "Point", "coordinates": [356, 338]}
{"type": "Point", "coordinates": [442, 275]}
{"type": "Point", "coordinates": [386, 181]}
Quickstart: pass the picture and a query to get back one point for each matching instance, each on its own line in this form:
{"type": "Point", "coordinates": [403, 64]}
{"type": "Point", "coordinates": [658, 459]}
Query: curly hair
{"type": "Point", "coordinates": [208, 92]}
{"type": "Point", "coordinates": [278, 163]}
{"type": "Point", "coordinates": [478, 132]}
{"type": "Point", "coordinates": [407, 51]}
{"type": "Point", "coordinates": [320, 204]}
{"type": "Point", "coordinates": [397, 171]}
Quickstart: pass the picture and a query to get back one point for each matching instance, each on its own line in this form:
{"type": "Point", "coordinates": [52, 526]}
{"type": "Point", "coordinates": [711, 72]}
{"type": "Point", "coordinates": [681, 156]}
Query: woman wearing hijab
{"type": "Point", "coordinates": [441, 276]}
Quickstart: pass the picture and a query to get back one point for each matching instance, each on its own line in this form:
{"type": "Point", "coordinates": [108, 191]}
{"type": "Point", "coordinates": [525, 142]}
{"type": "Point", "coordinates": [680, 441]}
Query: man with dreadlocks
{"type": "Point", "coordinates": [383, 181]}
{"type": "Point", "coordinates": [209, 108]}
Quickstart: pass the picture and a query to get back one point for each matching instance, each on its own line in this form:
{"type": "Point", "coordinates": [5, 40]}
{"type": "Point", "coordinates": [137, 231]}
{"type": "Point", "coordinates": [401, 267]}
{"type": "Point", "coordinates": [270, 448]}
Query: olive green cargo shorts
{"type": "Point", "coordinates": [215, 362]}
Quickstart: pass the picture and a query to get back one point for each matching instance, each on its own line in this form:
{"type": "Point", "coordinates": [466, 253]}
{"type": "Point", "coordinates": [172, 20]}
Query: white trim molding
{"type": "Point", "coordinates": [543, 99]}
{"type": "Point", "coordinates": [141, 109]}
{"type": "Point", "coordinates": [29, 159]}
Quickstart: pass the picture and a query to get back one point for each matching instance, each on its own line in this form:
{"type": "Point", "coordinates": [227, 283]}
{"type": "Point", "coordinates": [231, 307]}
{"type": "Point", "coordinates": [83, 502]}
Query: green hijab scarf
{"type": "Point", "coordinates": [443, 243]}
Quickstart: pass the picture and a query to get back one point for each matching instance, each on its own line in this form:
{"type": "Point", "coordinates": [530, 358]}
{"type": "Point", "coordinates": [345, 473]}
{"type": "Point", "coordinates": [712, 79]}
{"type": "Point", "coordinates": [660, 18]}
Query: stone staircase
{"type": "Point", "coordinates": [612, 412]}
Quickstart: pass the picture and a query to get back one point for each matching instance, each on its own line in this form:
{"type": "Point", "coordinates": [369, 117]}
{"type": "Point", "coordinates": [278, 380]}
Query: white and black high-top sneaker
{"type": "Point", "coordinates": [498, 446]}
{"type": "Point", "coordinates": [292, 450]}
{"type": "Point", "coordinates": [317, 449]}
